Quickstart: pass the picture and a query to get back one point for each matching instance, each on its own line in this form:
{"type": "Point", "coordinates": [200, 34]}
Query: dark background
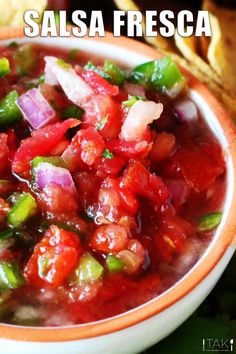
{"type": "Point", "coordinates": [216, 317]}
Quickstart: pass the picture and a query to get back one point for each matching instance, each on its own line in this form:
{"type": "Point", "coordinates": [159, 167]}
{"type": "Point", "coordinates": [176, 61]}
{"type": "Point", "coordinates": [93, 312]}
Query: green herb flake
{"type": "Point", "coordinates": [107, 154]}
{"type": "Point", "coordinates": [100, 125]}
{"type": "Point", "coordinates": [66, 66]}
{"type": "Point", "coordinates": [209, 222]}
{"type": "Point", "coordinates": [132, 100]}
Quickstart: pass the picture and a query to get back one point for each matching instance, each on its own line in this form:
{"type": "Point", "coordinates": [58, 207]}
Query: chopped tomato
{"type": "Point", "coordinates": [139, 180]}
{"type": "Point", "coordinates": [41, 142]}
{"type": "Point", "coordinates": [103, 113]}
{"type": "Point", "coordinates": [4, 153]}
{"type": "Point", "coordinates": [60, 148]}
{"type": "Point", "coordinates": [11, 141]}
{"type": "Point", "coordinates": [116, 200]}
{"type": "Point", "coordinates": [163, 145]}
{"type": "Point", "coordinates": [56, 200]}
{"type": "Point", "coordinates": [105, 167]}
{"type": "Point", "coordinates": [89, 144]}
{"type": "Point", "coordinates": [170, 238]}
{"type": "Point", "coordinates": [109, 238]}
{"type": "Point", "coordinates": [99, 84]}
{"type": "Point", "coordinates": [129, 149]}
{"type": "Point", "coordinates": [200, 164]}
{"type": "Point", "coordinates": [53, 259]}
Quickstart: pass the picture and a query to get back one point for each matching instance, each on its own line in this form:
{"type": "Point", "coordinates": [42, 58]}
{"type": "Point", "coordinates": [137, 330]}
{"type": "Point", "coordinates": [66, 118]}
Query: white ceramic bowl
{"type": "Point", "coordinates": [138, 329]}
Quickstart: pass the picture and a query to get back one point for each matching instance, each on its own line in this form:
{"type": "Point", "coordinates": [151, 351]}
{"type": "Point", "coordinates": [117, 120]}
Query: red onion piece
{"type": "Point", "coordinates": [46, 173]}
{"type": "Point", "coordinates": [75, 88]}
{"type": "Point", "coordinates": [186, 111]}
{"type": "Point", "coordinates": [35, 108]}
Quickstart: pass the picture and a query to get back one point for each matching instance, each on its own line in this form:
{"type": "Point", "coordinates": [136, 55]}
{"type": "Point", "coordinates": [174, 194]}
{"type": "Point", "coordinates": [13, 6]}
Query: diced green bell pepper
{"type": "Point", "coordinates": [89, 270]}
{"type": "Point", "coordinates": [72, 112]}
{"type": "Point", "coordinates": [162, 74]}
{"type": "Point", "coordinates": [54, 160]}
{"type": "Point", "coordinates": [209, 222]}
{"type": "Point", "coordinates": [24, 208]}
{"type": "Point", "coordinates": [91, 66]}
{"type": "Point", "coordinates": [114, 264]}
{"type": "Point", "coordinates": [4, 67]}
{"type": "Point", "coordinates": [10, 277]}
{"type": "Point", "coordinates": [117, 76]}
{"type": "Point", "coordinates": [9, 111]}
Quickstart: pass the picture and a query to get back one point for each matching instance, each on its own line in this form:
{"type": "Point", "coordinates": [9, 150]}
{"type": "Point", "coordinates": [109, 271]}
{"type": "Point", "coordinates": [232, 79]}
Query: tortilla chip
{"type": "Point", "coordinates": [188, 46]}
{"type": "Point", "coordinates": [12, 11]}
{"type": "Point", "coordinates": [222, 47]}
{"type": "Point", "coordinates": [228, 99]}
{"type": "Point", "coordinates": [204, 43]}
{"type": "Point", "coordinates": [159, 41]}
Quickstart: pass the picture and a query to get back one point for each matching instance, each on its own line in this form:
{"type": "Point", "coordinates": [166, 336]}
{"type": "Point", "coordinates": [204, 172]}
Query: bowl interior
{"type": "Point", "coordinates": [130, 57]}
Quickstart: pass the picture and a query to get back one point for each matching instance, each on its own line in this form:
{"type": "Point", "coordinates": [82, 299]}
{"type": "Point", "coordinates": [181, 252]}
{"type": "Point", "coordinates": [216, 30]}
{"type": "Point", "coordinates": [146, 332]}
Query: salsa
{"type": "Point", "coordinates": [111, 184]}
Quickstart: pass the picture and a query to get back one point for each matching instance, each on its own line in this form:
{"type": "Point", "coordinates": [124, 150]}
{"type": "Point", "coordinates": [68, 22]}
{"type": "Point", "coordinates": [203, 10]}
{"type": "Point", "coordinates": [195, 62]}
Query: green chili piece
{"type": "Point", "coordinates": [132, 100]}
{"type": "Point", "coordinates": [10, 277]}
{"type": "Point", "coordinates": [117, 76]}
{"type": "Point", "coordinates": [9, 111]}
{"type": "Point", "coordinates": [162, 74]}
{"type": "Point", "coordinates": [114, 264]}
{"type": "Point", "coordinates": [24, 208]}
{"type": "Point", "coordinates": [4, 67]}
{"type": "Point", "coordinates": [209, 222]}
{"type": "Point", "coordinates": [89, 270]}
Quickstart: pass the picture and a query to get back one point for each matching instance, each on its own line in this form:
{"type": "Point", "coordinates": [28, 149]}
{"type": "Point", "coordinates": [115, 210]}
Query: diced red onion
{"type": "Point", "coordinates": [186, 111]}
{"type": "Point", "coordinates": [75, 88]}
{"type": "Point", "coordinates": [35, 108]}
{"type": "Point", "coordinates": [46, 173]}
{"type": "Point", "coordinates": [139, 116]}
